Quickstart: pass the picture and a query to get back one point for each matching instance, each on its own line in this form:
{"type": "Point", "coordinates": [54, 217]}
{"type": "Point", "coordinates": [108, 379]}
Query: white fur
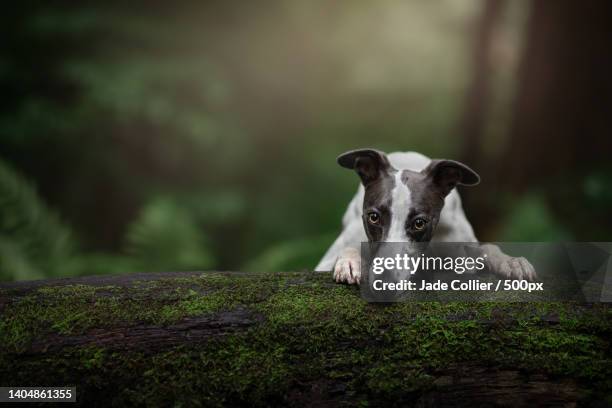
{"type": "Point", "coordinates": [452, 227]}
{"type": "Point", "coordinates": [343, 256]}
{"type": "Point", "coordinates": [401, 198]}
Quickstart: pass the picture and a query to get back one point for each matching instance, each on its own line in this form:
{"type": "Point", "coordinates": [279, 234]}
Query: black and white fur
{"type": "Point", "coordinates": [412, 199]}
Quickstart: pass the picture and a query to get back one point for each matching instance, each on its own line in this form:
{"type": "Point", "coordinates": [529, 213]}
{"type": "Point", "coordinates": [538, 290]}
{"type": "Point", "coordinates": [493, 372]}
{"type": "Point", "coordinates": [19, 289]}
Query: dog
{"type": "Point", "coordinates": [408, 197]}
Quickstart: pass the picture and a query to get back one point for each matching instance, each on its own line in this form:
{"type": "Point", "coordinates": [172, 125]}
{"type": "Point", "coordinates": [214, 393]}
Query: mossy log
{"type": "Point", "coordinates": [294, 339]}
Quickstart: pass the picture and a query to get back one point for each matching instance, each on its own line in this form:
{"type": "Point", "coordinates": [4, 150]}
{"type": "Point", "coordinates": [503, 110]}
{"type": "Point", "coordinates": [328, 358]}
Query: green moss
{"type": "Point", "coordinates": [59, 309]}
{"type": "Point", "coordinates": [298, 304]}
{"type": "Point", "coordinates": [313, 332]}
{"type": "Point", "coordinates": [74, 309]}
{"type": "Point", "coordinates": [223, 373]}
{"type": "Point", "coordinates": [92, 357]}
{"type": "Point", "coordinates": [193, 304]}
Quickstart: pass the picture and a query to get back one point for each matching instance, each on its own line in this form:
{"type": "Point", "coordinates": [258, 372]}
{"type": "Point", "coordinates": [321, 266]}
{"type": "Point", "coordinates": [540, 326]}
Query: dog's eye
{"type": "Point", "coordinates": [419, 224]}
{"type": "Point", "coordinates": [374, 218]}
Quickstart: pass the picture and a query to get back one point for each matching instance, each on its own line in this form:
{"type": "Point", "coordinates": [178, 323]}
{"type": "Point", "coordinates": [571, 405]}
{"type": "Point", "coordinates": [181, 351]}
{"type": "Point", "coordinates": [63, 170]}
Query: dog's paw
{"type": "Point", "coordinates": [517, 268]}
{"type": "Point", "coordinates": [348, 267]}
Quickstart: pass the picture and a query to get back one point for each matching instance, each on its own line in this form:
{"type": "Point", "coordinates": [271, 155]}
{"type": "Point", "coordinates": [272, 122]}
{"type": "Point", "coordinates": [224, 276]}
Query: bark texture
{"type": "Point", "coordinates": [294, 339]}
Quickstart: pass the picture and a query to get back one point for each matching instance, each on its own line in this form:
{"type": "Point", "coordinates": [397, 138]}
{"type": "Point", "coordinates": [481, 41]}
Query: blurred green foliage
{"type": "Point", "coordinates": [203, 135]}
{"type": "Point", "coordinates": [530, 220]}
{"type": "Point", "coordinates": [167, 236]}
{"type": "Point", "coordinates": [33, 242]}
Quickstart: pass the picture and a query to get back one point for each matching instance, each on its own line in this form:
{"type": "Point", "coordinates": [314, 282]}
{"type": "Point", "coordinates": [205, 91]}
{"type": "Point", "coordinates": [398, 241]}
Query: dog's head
{"type": "Point", "coordinates": [404, 205]}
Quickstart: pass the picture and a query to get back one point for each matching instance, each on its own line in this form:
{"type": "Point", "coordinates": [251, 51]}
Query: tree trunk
{"type": "Point", "coordinates": [560, 137]}
{"type": "Point", "coordinates": [472, 129]}
{"type": "Point", "coordinates": [292, 339]}
{"type": "Point", "coordinates": [558, 140]}
{"type": "Point", "coordinates": [477, 100]}
{"type": "Point", "coordinates": [563, 105]}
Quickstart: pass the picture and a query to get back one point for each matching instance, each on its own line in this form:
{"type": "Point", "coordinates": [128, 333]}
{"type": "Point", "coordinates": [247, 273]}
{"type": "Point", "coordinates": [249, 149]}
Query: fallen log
{"type": "Point", "coordinates": [294, 339]}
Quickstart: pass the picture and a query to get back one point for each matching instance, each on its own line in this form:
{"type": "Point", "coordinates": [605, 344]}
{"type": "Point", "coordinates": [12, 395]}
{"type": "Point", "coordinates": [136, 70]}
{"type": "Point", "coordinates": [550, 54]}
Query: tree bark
{"type": "Point", "coordinates": [280, 339]}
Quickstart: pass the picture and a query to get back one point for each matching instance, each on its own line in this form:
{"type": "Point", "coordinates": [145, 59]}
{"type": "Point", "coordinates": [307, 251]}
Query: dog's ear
{"type": "Point", "coordinates": [369, 164]}
{"type": "Point", "coordinates": [446, 174]}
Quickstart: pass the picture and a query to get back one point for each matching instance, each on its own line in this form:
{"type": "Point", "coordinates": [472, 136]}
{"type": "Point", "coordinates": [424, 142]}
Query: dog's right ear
{"type": "Point", "coordinates": [446, 174]}
{"type": "Point", "coordinates": [369, 164]}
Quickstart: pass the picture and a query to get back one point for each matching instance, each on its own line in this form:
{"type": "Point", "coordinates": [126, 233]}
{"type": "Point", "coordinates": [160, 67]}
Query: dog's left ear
{"type": "Point", "coordinates": [370, 164]}
{"type": "Point", "coordinates": [446, 174]}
